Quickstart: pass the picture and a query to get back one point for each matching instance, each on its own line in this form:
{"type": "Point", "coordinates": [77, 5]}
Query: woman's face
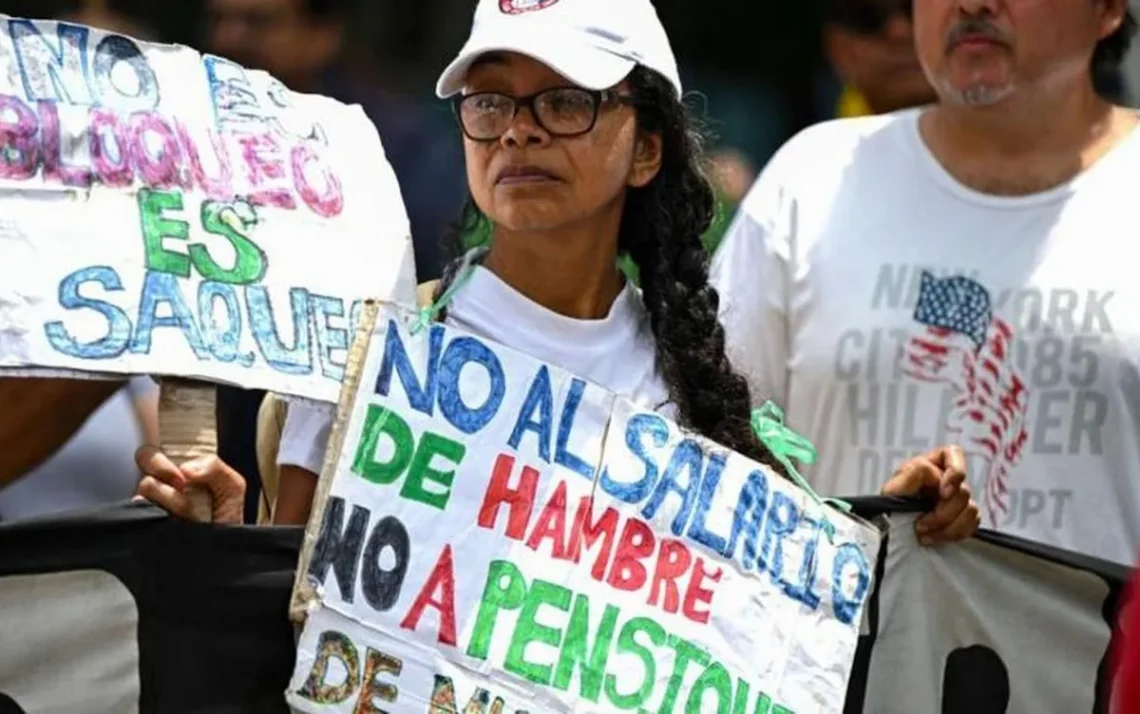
{"type": "Point", "coordinates": [528, 179]}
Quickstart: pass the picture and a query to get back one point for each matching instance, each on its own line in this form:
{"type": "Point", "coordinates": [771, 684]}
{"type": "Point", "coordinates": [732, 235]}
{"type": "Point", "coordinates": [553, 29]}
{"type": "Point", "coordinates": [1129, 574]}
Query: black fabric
{"type": "Point", "coordinates": [236, 413]}
{"type": "Point", "coordinates": [214, 634]}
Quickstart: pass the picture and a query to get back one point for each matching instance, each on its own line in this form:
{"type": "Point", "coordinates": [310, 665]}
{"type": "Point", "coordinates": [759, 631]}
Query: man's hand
{"type": "Point", "coordinates": [165, 484]}
{"type": "Point", "coordinates": [942, 472]}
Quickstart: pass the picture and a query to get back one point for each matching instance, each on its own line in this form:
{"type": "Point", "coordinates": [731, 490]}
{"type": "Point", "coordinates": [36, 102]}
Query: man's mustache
{"type": "Point", "coordinates": [975, 26]}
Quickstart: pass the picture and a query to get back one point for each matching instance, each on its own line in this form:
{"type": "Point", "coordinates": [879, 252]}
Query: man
{"type": "Point", "coordinates": [870, 45]}
{"type": "Point", "coordinates": [963, 273]}
{"type": "Point", "coordinates": [299, 42]}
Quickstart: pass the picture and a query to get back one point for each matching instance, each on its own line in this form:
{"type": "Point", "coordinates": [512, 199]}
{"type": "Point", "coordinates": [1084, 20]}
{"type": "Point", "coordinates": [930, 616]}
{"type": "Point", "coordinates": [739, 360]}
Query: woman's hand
{"type": "Point", "coordinates": [165, 484]}
{"type": "Point", "coordinates": [942, 472]}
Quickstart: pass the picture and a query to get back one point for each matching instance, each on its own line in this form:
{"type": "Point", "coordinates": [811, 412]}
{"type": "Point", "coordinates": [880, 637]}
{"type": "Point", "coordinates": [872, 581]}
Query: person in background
{"type": "Point", "coordinates": [103, 15]}
{"type": "Point", "coordinates": [96, 467]}
{"type": "Point", "coordinates": [300, 42]}
{"type": "Point", "coordinates": [870, 46]}
{"type": "Point", "coordinates": [963, 272]}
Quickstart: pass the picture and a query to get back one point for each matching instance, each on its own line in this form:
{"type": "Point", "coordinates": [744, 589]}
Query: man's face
{"type": "Point", "coordinates": [982, 51]}
{"type": "Point", "coordinates": [278, 36]}
{"type": "Point", "coordinates": [871, 45]}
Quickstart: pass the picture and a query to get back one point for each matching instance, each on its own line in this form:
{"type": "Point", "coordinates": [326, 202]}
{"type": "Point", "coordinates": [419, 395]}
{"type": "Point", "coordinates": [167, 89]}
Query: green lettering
{"type": "Point", "coordinates": [740, 701]}
{"type": "Point", "coordinates": [421, 471]}
{"type": "Point", "coordinates": [381, 420]}
{"type": "Point", "coordinates": [717, 679]}
{"type": "Point", "coordinates": [227, 221]}
{"type": "Point", "coordinates": [527, 631]}
{"type": "Point", "coordinates": [573, 653]}
{"type": "Point", "coordinates": [505, 590]}
{"type": "Point", "coordinates": [686, 652]}
{"type": "Point", "coordinates": [156, 228]}
{"type": "Point", "coordinates": [627, 642]}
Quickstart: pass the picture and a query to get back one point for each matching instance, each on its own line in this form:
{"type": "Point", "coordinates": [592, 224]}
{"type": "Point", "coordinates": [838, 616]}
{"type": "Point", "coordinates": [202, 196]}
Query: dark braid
{"type": "Point", "coordinates": [661, 231]}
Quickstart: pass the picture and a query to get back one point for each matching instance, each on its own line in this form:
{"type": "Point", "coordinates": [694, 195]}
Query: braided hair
{"type": "Point", "coordinates": [661, 229]}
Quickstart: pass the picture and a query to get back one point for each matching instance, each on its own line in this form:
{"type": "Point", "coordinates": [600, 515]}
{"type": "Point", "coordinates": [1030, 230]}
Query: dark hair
{"type": "Point", "coordinates": [327, 9]}
{"type": "Point", "coordinates": [661, 231]}
{"type": "Point", "coordinates": [1108, 56]}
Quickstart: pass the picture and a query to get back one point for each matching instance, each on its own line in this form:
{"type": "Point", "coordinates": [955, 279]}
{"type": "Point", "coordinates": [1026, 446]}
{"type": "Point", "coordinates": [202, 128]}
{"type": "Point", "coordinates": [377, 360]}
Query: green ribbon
{"type": "Point", "coordinates": [429, 313]}
{"type": "Point", "coordinates": [786, 445]}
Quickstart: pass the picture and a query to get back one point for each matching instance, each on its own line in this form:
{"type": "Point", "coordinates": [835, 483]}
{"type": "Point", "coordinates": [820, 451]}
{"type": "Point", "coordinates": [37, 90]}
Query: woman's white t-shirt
{"type": "Point", "coordinates": [615, 352]}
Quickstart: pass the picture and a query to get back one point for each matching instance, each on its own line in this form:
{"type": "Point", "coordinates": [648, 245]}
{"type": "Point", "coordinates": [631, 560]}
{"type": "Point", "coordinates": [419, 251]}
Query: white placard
{"type": "Point", "coordinates": [171, 213]}
{"type": "Point", "coordinates": [499, 533]}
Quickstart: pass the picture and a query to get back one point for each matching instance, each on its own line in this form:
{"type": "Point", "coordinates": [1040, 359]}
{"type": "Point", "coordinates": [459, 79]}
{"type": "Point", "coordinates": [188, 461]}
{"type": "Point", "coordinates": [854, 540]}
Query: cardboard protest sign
{"type": "Point", "coordinates": [171, 213]}
{"type": "Point", "coordinates": [494, 534]}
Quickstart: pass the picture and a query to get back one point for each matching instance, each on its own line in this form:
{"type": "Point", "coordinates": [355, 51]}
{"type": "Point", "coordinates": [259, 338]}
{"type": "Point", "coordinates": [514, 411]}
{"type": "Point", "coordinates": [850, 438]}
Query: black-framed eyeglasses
{"type": "Point", "coordinates": [560, 111]}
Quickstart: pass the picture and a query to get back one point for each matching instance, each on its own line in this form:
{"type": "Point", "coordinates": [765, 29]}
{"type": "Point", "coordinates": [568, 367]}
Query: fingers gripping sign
{"type": "Point", "coordinates": [940, 473]}
{"type": "Point", "coordinates": [186, 477]}
{"type": "Point", "coordinates": [173, 487]}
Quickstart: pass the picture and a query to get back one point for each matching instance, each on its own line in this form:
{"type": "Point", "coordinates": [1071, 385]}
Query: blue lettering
{"type": "Point", "coordinates": [295, 360]}
{"type": "Point", "coordinates": [539, 398]}
{"type": "Point", "coordinates": [698, 530]}
{"type": "Point", "coordinates": [460, 352]}
{"type": "Point", "coordinates": [329, 338]}
{"type": "Point", "coordinates": [59, 71]}
{"type": "Point", "coordinates": [783, 516]}
{"type": "Point", "coordinates": [688, 457]}
{"type": "Point", "coordinates": [162, 289]}
{"type": "Point", "coordinates": [562, 455]}
{"type": "Point", "coordinates": [110, 52]}
{"type": "Point", "coordinates": [421, 396]}
{"type": "Point", "coordinates": [754, 498]}
{"type": "Point", "coordinates": [114, 343]}
{"type": "Point", "coordinates": [803, 591]}
{"type": "Point", "coordinates": [224, 342]}
{"type": "Point", "coordinates": [52, 71]}
{"type": "Point", "coordinates": [637, 426]}
{"type": "Point", "coordinates": [847, 607]}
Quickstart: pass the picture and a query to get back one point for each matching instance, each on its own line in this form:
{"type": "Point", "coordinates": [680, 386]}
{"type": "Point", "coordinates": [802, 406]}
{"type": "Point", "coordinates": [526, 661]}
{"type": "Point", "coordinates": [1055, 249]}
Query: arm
{"type": "Point", "coordinates": [304, 439]}
{"type": "Point", "coordinates": [39, 415]}
{"type": "Point", "coordinates": [144, 400]}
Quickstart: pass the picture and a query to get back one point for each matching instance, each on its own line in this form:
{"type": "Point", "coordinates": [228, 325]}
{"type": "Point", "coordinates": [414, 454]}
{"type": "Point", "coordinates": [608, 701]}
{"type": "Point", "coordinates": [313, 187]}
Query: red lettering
{"type": "Point", "coordinates": [673, 559]}
{"type": "Point", "coordinates": [105, 128]}
{"type": "Point", "coordinates": [520, 500]}
{"type": "Point", "coordinates": [19, 152]}
{"type": "Point", "coordinates": [697, 593]}
{"type": "Point", "coordinates": [442, 578]}
{"type": "Point", "coordinates": [264, 166]}
{"type": "Point", "coordinates": [552, 524]}
{"type": "Point", "coordinates": [328, 203]}
{"type": "Point", "coordinates": [585, 530]}
{"type": "Point", "coordinates": [637, 543]}
{"type": "Point", "coordinates": [156, 170]}
{"type": "Point", "coordinates": [55, 168]}
{"type": "Point", "coordinates": [219, 187]}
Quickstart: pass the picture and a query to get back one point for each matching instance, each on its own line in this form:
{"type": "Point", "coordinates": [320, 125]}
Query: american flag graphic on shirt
{"type": "Point", "coordinates": [964, 346]}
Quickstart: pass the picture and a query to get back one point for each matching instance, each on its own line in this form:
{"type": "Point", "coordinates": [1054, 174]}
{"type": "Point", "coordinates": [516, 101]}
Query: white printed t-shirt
{"type": "Point", "coordinates": [616, 352]}
{"type": "Point", "coordinates": [891, 309]}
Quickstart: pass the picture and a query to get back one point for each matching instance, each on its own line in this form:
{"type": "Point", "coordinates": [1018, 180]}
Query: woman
{"type": "Point", "coordinates": [578, 151]}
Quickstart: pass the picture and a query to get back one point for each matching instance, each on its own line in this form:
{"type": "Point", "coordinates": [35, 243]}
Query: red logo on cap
{"type": "Point", "coordinates": [517, 7]}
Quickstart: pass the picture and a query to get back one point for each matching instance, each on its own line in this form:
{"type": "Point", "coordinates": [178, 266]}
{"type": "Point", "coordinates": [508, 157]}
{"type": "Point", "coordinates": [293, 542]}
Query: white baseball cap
{"type": "Point", "coordinates": [593, 43]}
